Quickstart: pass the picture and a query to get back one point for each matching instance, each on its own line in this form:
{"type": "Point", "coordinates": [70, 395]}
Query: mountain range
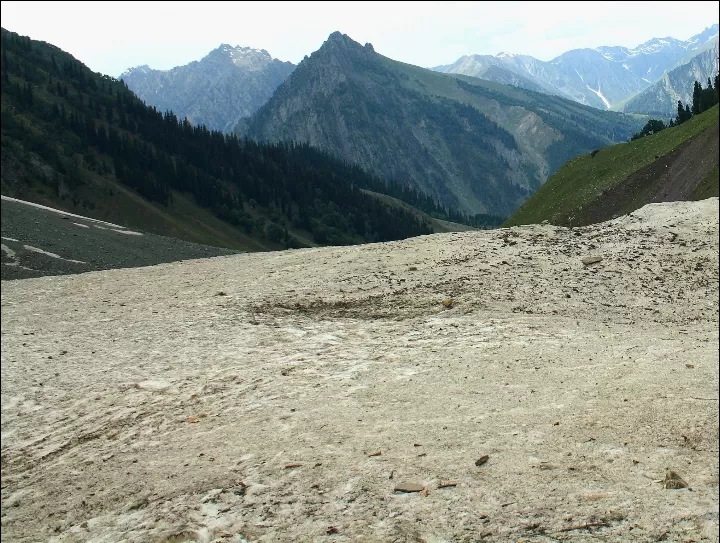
{"type": "Point", "coordinates": [603, 77]}
{"type": "Point", "coordinates": [661, 98]}
{"type": "Point", "coordinates": [82, 142]}
{"type": "Point", "coordinates": [227, 84]}
{"type": "Point", "coordinates": [455, 147]}
{"type": "Point", "coordinates": [232, 82]}
{"type": "Point", "coordinates": [478, 146]}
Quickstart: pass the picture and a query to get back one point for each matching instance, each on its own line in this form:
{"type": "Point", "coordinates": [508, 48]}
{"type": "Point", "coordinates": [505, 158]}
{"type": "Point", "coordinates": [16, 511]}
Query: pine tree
{"type": "Point", "coordinates": [697, 93]}
{"type": "Point", "coordinates": [28, 94]}
{"type": "Point", "coordinates": [680, 113]}
{"type": "Point", "coordinates": [5, 65]}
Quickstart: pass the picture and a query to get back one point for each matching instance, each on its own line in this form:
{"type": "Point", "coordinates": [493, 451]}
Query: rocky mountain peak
{"type": "Point", "coordinates": [243, 57]}
{"type": "Point", "coordinates": [340, 51]}
{"type": "Point", "coordinates": [143, 69]}
{"type": "Point", "coordinates": [600, 77]}
{"type": "Point", "coordinates": [227, 84]}
{"type": "Point", "coordinates": [342, 41]}
{"type": "Point", "coordinates": [704, 36]}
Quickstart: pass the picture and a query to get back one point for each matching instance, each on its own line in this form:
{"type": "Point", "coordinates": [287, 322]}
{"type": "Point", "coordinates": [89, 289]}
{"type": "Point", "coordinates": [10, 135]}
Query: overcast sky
{"type": "Point", "coordinates": [110, 37]}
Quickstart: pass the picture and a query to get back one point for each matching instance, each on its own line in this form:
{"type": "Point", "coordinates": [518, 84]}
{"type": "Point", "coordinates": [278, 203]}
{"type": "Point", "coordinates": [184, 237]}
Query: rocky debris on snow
{"type": "Point", "coordinates": [377, 362]}
{"type": "Point", "coordinates": [674, 481]}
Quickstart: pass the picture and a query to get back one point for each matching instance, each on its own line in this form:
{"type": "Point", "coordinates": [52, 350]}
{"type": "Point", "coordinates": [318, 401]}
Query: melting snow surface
{"type": "Point", "coordinates": [129, 232]}
{"type": "Point", "coordinates": [47, 253]}
{"type": "Point", "coordinates": [65, 213]}
{"type": "Point", "coordinates": [7, 250]}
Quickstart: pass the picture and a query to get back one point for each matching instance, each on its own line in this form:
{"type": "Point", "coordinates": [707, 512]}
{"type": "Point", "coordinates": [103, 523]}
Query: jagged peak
{"type": "Point", "coordinates": [342, 44]}
{"type": "Point", "coordinates": [232, 51]}
{"type": "Point", "coordinates": [143, 69]}
{"type": "Point", "coordinates": [337, 35]}
{"type": "Point", "coordinates": [244, 57]}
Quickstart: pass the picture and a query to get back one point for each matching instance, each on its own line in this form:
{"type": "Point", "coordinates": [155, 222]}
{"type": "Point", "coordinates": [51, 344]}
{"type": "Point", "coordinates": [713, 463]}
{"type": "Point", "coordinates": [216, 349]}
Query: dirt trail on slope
{"type": "Point", "coordinates": [246, 398]}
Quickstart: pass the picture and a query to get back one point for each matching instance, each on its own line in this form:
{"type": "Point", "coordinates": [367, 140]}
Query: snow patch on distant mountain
{"type": "Point", "coordinates": [619, 71]}
{"type": "Point", "coordinates": [599, 95]}
{"type": "Point", "coordinates": [144, 69]}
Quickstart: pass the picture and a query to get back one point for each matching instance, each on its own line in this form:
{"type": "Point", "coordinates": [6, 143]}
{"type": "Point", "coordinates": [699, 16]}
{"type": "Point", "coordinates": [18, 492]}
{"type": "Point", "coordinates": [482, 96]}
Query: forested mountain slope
{"type": "Point", "coordinates": [81, 141]}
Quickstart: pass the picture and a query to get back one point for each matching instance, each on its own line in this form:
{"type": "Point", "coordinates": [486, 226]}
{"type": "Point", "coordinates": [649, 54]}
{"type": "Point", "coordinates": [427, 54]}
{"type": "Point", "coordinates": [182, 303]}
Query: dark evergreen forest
{"type": "Point", "coordinates": [57, 108]}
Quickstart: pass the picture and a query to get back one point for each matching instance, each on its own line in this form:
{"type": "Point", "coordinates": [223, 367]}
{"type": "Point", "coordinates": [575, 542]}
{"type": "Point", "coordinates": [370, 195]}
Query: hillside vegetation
{"type": "Point", "coordinates": [678, 163]}
{"type": "Point", "coordinates": [82, 142]}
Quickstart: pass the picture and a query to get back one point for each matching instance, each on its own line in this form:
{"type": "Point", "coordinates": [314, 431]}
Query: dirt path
{"type": "Point", "coordinates": [244, 398]}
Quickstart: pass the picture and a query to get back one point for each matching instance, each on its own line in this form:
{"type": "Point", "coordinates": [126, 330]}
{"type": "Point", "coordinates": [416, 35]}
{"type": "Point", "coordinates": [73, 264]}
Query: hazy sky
{"type": "Point", "coordinates": [110, 37]}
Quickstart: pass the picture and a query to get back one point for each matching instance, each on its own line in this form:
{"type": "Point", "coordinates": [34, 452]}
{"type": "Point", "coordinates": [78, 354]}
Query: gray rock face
{"type": "Point", "coordinates": [477, 146]}
{"type": "Point", "coordinates": [660, 99]}
{"type": "Point", "coordinates": [226, 85]}
{"type": "Point", "coordinates": [601, 77]}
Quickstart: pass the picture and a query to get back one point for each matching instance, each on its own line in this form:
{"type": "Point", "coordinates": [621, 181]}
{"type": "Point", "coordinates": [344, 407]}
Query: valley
{"type": "Point", "coordinates": [351, 299]}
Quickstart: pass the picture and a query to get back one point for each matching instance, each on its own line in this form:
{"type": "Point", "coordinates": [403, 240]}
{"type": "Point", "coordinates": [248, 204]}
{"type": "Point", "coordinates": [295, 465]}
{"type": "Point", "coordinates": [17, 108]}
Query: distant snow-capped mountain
{"type": "Point", "coordinates": [660, 99]}
{"type": "Point", "coordinates": [602, 77]}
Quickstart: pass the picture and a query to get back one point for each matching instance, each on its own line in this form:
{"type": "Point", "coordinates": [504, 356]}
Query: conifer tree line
{"type": "Point", "coordinates": [703, 99]}
{"type": "Point", "coordinates": [78, 112]}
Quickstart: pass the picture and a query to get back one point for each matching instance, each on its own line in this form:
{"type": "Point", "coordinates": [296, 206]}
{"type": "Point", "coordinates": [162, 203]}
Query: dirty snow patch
{"type": "Point", "coordinates": [65, 213]}
{"type": "Point", "coordinates": [600, 95]}
{"type": "Point", "coordinates": [53, 255]}
{"type": "Point", "coordinates": [7, 250]}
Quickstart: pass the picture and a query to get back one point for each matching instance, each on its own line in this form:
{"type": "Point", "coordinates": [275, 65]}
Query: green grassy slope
{"type": "Point", "coordinates": [708, 187]}
{"type": "Point", "coordinates": [585, 180]}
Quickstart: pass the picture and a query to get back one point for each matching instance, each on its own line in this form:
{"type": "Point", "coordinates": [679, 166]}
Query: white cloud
{"type": "Point", "coordinates": [112, 36]}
